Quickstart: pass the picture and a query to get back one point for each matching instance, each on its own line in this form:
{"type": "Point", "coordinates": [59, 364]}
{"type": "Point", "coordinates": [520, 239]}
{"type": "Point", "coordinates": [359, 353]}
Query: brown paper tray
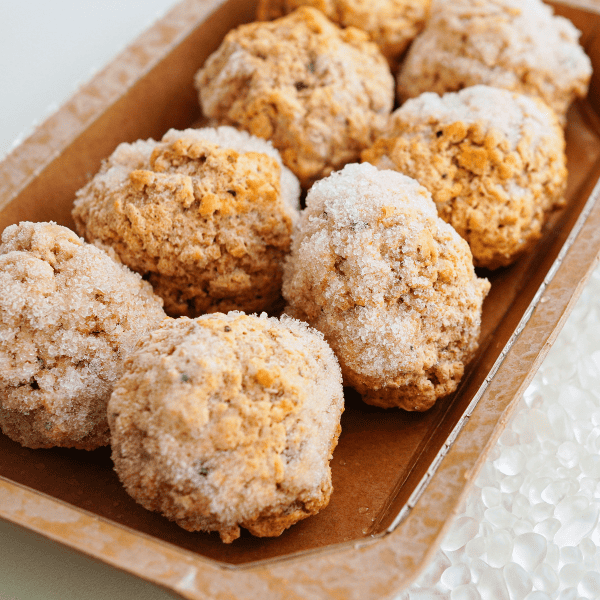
{"type": "Point", "coordinates": [409, 470]}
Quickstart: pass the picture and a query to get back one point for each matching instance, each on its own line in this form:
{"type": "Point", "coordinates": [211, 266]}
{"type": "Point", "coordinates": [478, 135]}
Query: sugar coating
{"type": "Point", "coordinates": [518, 45]}
{"type": "Point", "coordinates": [228, 421]}
{"type": "Point", "coordinates": [391, 286]}
{"type": "Point", "coordinates": [205, 214]}
{"type": "Point", "coordinates": [493, 160]}
{"type": "Point", "coordinates": [391, 24]}
{"type": "Point", "coordinates": [69, 316]}
{"type": "Point", "coordinates": [318, 92]}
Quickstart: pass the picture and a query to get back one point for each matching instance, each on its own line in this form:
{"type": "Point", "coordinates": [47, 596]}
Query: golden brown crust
{"type": "Point", "coordinates": [391, 24]}
{"type": "Point", "coordinates": [317, 92]}
{"type": "Point", "coordinates": [69, 316]}
{"type": "Point", "coordinates": [228, 421]}
{"type": "Point", "coordinates": [494, 186]}
{"type": "Point", "coordinates": [391, 286]}
{"type": "Point", "coordinates": [206, 224]}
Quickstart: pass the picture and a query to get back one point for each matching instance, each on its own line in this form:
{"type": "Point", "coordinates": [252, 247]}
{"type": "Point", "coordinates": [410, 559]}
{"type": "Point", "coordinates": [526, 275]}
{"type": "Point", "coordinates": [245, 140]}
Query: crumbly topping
{"type": "Point", "coordinates": [391, 286]}
{"type": "Point", "coordinates": [206, 215]}
{"type": "Point", "coordinates": [316, 91]}
{"type": "Point", "coordinates": [494, 162]}
{"type": "Point", "coordinates": [391, 24]}
{"type": "Point", "coordinates": [227, 421]}
{"type": "Point", "coordinates": [69, 316]}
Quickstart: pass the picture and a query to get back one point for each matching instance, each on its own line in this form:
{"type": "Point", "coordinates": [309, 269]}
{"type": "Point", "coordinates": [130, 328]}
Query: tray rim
{"type": "Point", "coordinates": [394, 558]}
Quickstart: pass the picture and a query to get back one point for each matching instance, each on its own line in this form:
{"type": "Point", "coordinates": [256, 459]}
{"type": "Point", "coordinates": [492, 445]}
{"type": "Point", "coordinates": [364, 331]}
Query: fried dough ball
{"type": "Point", "coordinates": [228, 421]}
{"type": "Point", "coordinates": [518, 45]}
{"type": "Point", "coordinates": [318, 92]}
{"type": "Point", "coordinates": [391, 286]}
{"type": "Point", "coordinates": [206, 215]}
{"type": "Point", "coordinates": [391, 24]}
{"type": "Point", "coordinates": [493, 160]}
{"type": "Point", "coordinates": [69, 316]}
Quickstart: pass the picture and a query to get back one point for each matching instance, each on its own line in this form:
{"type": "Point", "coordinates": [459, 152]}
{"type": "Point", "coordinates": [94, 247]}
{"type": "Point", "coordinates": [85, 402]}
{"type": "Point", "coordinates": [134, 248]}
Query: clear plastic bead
{"type": "Point", "coordinates": [571, 574]}
{"type": "Point", "coordinates": [500, 517]}
{"type": "Point", "coordinates": [596, 414]}
{"type": "Point", "coordinates": [518, 581]}
{"type": "Point", "coordinates": [535, 462]}
{"type": "Point", "coordinates": [575, 402]}
{"type": "Point", "coordinates": [486, 529]}
{"type": "Point", "coordinates": [568, 454]}
{"type": "Point", "coordinates": [529, 550]}
{"type": "Point", "coordinates": [552, 555]}
{"type": "Point", "coordinates": [555, 491]}
{"type": "Point", "coordinates": [545, 579]}
{"type": "Point", "coordinates": [478, 567]}
{"type": "Point", "coordinates": [578, 518]}
{"type": "Point", "coordinates": [547, 528]}
{"type": "Point", "coordinates": [589, 585]}
{"type": "Point", "coordinates": [587, 547]}
{"type": "Point", "coordinates": [542, 426]}
{"type": "Point", "coordinates": [593, 440]}
{"type": "Point", "coordinates": [587, 487]}
{"type": "Point", "coordinates": [475, 547]}
{"type": "Point", "coordinates": [491, 496]}
{"type": "Point", "coordinates": [521, 506]}
{"type": "Point", "coordinates": [537, 595]}
{"type": "Point", "coordinates": [569, 593]}
{"type": "Point", "coordinates": [581, 431]}
{"type": "Point", "coordinates": [536, 487]}
{"type": "Point", "coordinates": [560, 422]}
{"type": "Point", "coordinates": [542, 511]}
{"type": "Point", "coordinates": [465, 592]}
{"type": "Point", "coordinates": [522, 526]}
{"type": "Point", "coordinates": [492, 586]}
{"type": "Point", "coordinates": [511, 461]}
{"type": "Point", "coordinates": [487, 476]}
{"type": "Point", "coordinates": [463, 530]}
{"type": "Point", "coordinates": [549, 448]}
{"type": "Point", "coordinates": [499, 548]}
{"type": "Point", "coordinates": [455, 576]}
{"type": "Point", "coordinates": [511, 484]}
{"type": "Point", "coordinates": [571, 554]}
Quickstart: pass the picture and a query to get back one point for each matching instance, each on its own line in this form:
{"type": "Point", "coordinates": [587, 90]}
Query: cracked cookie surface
{"type": "Point", "coordinates": [391, 286]}
{"type": "Point", "coordinates": [494, 162]}
{"type": "Point", "coordinates": [228, 421]}
{"type": "Point", "coordinates": [318, 92]}
{"type": "Point", "coordinates": [69, 316]}
{"type": "Point", "coordinates": [517, 45]}
{"type": "Point", "coordinates": [205, 215]}
{"type": "Point", "coordinates": [391, 24]}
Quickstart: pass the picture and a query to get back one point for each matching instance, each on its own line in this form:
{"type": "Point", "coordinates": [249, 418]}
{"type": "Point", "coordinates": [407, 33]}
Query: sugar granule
{"type": "Point", "coordinates": [69, 316]}
{"type": "Point", "coordinates": [391, 286]}
{"type": "Point", "coordinates": [517, 45]}
{"type": "Point", "coordinates": [211, 421]}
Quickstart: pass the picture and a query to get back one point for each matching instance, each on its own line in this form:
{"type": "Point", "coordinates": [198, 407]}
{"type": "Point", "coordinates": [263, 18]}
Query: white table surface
{"type": "Point", "coordinates": [46, 50]}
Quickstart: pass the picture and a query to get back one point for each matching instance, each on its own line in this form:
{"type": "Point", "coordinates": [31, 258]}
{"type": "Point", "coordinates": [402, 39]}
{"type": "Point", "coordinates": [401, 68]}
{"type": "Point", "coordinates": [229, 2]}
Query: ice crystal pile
{"type": "Point", "coordinates": [529, 529]}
